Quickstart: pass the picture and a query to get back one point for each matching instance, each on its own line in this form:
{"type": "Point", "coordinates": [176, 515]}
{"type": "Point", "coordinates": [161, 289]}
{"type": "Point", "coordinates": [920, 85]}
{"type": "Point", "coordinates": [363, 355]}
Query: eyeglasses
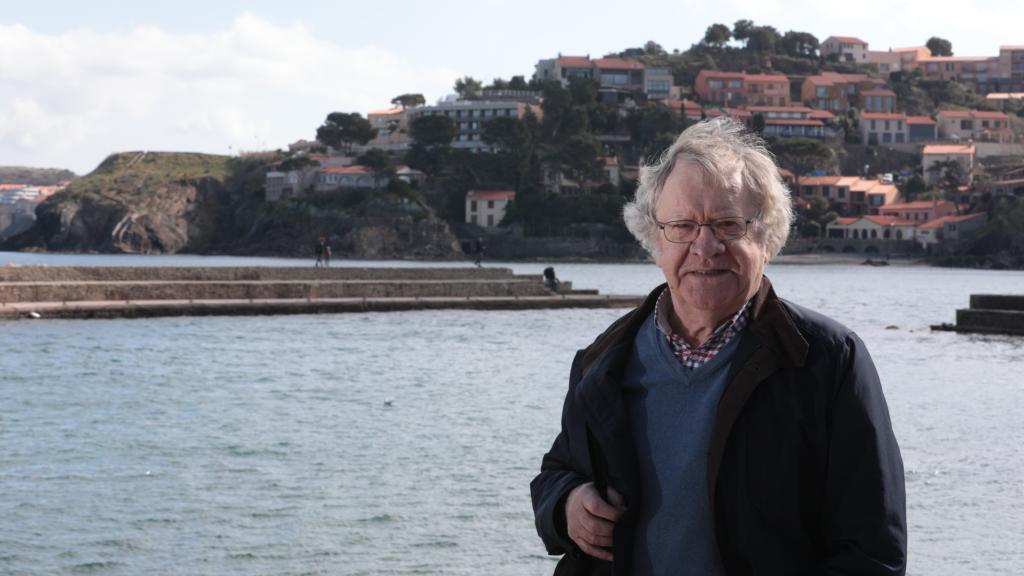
{"type": "Point", "coordinates": [686, 231]}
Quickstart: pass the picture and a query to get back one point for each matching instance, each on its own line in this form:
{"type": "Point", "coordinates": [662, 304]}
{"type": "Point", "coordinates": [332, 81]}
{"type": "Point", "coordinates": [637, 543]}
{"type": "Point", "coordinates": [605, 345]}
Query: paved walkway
{"type": "Point", "coordinates": [154, 308]}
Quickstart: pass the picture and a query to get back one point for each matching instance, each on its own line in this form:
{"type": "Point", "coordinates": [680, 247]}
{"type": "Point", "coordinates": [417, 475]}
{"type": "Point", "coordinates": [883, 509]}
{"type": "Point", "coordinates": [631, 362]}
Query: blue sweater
{"type": "Point", "coordinates": [671, 411]}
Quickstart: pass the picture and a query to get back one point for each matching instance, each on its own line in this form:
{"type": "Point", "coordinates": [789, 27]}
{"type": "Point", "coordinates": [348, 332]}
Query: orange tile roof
{"type": "Point", "coordinates": [574, 62]}
{"type": "Point", "coordinates": [819, 180]}
{"type": "Point", "coordinates": [848, 39]}
{"type": "Point", "coordinates": [822, 115]}
{"type": "Point", "coordinates": [948, 149]}
{"type": "Point", "coordinates": [920, 120]}
{"type": "Point", "coordinates": [386, 112]}
{"type": "Point", "coordinates": [941, 59]}
{"type": "Point", "coordinates": [889, 221]}
{"type": "Point", "coordinates": [618, 63]}
{"type": "Point", "coordinates": [490, 195]}
{"type": "Point", "coordinates": [846, 220]}
{"type": "Point", "coordinates": [721, 74]}
{"type": "Point", "coordinates": [1018, 47]}
{"type": "Point", "coordinates": [911, 49]}
{"type": "Point", "coordinates": [920, 205]}
{"type": "Point", "coordinates": [950, 219]}
{"type": "Point", "coordinates": [354, 169]}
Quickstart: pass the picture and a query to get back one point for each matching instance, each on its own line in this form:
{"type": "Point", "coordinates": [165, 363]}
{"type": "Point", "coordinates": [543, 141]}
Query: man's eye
{"type": "Point", "coordinates": [727, 225]}
{"type": "Point", "coordinates": [683, 226]}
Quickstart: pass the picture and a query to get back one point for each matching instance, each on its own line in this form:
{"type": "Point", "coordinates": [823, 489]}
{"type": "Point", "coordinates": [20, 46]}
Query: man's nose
{"type": "Point", "coordinates": [706, 244]}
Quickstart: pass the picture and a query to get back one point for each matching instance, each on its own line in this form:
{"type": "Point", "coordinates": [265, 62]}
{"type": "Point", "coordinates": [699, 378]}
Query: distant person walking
{"type": "Point", "coordinates": [327, 255]}
{"type": "Point", "coordinates": [479, 251]}
{"type": "Point", "coordinates": [320, 249]}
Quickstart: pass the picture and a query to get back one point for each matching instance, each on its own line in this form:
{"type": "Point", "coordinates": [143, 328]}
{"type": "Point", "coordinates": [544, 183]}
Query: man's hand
{"type": "Point", "coordinates": [590, 520]}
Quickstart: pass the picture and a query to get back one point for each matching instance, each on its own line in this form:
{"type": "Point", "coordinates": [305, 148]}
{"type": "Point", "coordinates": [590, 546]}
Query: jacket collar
{"type": "Point", "coordinates": [771, 322]}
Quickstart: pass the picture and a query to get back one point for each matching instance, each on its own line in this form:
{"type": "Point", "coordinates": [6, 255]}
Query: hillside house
{"type": "Point", "coordinates": [487, 208]}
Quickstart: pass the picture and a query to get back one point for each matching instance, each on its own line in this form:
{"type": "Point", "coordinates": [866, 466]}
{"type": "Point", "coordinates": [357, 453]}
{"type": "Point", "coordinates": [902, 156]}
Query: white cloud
{"type": "Point", "coordinates": [69, 100]}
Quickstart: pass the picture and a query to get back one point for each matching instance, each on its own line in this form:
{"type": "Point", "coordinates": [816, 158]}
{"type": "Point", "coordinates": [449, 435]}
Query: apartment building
{"type": "Point", "coordinates": [978, 125]}
{"type": "Point", "coordinates": [1011, 68]}
{"type": "Point", "coordinates": [793, 121]}
{"type": "Point", "coordinates": [897, 59]}
{"type": "Point", "coordinates": [858, 195]}
{"type": "Point", "coordinates": [919, 211]}
{"type": "Point", "coordinates": [887, 128]}
{"type": "Point", "coordinates": [838, 93]}
{"type": "Point", "coordinates": [470, 116]}
{"type": "Point", "coordinates": [737, 88]}
{"type": "Point", "coordinates": [618, 77]}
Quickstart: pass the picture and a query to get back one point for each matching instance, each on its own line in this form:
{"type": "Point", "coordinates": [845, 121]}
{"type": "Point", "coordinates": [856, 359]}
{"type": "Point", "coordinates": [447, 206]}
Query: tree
{"type": "Point", "coordinates": [717, 35]}
{"type": "Point", "coordinates": [802, 155]}
{"type": "Point", "coordinates": [763, 39]}
{"type": "Point", "coordinates": [408, 100]}
{"type": "Point", "coordinates": [800, 44]}
{"type": "Point", "coordinates": [468, 88]}
{"type": "Point", "coordinates": [518, 83]}
{"type": "Point", "coordinates": [652, 48]}
{"type": "Point", "coordinates": [579, 157]}
{"type": "Point", "coordinates": [341, 130]}
{"type": "Point", "coordinates": [432, 137]}
{"type": "Point", "coordinates": [951, 178]}
{"type": "Point", "coordinates": [434, 130]}
{"type": "Point", "coordinates": [741, 29]}
{"type": "Point", "coordinates": [506, 132]}
{"type": "Point", "coordinates": [939, 46]}
{"type": "Point", "coordinates": [378, 162]}
{"type": "Point", "coordinates": [757, 123]}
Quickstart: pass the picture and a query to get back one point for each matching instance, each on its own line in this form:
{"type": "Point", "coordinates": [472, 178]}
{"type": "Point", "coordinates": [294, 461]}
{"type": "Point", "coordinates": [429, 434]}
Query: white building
{"type": "Point", "coordinates": [846, 48]}
{"type": "Point", "coordinates": [470, 116]}
{"type": "Point", "coordinates": [487, 208]}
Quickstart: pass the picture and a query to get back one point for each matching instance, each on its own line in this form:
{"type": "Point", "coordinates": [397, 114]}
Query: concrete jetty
{"type": "Point", "coordinates": [990, 314]}
{"type": "Point", "coordinates": [134, 292]}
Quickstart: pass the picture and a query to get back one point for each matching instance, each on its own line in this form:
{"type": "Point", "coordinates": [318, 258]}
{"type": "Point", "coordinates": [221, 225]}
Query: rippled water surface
{"type": "Point", "coordinates": [267, 445]}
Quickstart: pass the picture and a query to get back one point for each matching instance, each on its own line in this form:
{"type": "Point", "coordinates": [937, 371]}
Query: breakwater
{"type": "Point", "coordinates": [990, 314]}
{"type": "Point", "coordinates": [113, 292]}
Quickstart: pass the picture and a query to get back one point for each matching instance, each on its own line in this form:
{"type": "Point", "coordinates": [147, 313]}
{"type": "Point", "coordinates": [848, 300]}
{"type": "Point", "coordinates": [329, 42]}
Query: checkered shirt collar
{"type": "Point", "coordinates": [697, 356]}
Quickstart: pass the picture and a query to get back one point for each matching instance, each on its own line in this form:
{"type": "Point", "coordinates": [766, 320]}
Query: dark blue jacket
{"type": "Point", "coordinates": [804, 472]}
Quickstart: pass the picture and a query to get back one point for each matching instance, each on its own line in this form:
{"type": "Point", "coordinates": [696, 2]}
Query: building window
{"type": "Point", "coordinates": [715, 84]}
{"type": "Point", "coordinates": [472, 205]}
{"type": "Point", "coordinates": [841, 193]}
{"type": "Point", "coordinates": [874, 234]}
{"type": "Point", "coordinates": [490, 219]}
{"type": "Point", "coordinates": [490, 204]}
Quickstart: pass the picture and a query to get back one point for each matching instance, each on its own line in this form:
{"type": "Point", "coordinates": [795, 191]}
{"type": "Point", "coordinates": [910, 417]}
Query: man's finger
{"type": "Point", "coordinates": [599, 553]}
{"type": "Point", "coordinates": [594, 504]}
{"type": "Point", "coordinates": [616, 499]}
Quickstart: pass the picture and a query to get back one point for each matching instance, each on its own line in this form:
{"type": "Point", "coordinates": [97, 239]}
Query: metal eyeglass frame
{"type": "Point", "coordinates": [710, 224]}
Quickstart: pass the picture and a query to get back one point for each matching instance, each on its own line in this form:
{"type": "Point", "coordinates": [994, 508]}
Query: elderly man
{"type": "Point", "coordinates": [718, 429]}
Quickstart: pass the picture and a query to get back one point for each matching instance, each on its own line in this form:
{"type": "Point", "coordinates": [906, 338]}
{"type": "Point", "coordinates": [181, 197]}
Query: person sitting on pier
{"type": "Point", "coordinates": [550, 280]}
{"type": "Point", "coordinates": [719, 429]}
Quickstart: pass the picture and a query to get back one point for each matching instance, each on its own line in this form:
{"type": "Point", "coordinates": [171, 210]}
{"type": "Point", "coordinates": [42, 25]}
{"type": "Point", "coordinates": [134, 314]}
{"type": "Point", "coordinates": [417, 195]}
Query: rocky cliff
{"type": "Point", "coordinates": [199, 203]}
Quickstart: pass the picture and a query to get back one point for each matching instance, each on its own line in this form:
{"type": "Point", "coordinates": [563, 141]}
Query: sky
{"type": "Point", "coordinates": [80, 80]}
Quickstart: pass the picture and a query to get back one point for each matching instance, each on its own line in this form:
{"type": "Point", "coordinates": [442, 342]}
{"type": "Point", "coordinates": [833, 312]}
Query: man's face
{"type": "Point", "coordinates": [707, 276]}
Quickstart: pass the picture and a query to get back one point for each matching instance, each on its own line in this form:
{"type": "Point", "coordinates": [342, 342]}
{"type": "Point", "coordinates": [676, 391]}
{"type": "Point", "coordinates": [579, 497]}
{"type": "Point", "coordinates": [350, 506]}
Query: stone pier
{"type": "Point", "coordinates": [990, 314]}
{"type": "Point", "coordinates": [129, 292]}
